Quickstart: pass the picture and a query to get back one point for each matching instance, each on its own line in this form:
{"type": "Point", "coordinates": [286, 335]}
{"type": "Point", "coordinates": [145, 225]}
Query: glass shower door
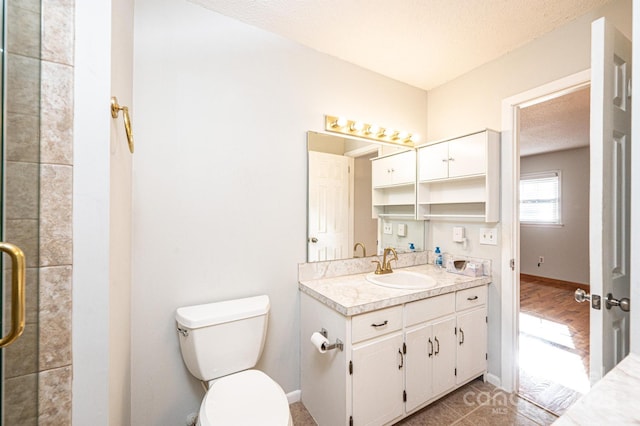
{"type": "Point", "coordinates": [19, 213]}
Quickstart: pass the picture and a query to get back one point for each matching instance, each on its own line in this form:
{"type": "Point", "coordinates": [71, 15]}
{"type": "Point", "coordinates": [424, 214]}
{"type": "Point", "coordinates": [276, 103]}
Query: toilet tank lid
{"type": "Point", "coordinates": [220, 312]}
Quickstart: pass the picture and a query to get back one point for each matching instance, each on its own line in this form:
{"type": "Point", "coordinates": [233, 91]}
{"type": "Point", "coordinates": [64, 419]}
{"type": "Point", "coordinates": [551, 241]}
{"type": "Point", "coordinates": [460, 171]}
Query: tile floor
{"type": "Point", "coordinates": [476, 403]}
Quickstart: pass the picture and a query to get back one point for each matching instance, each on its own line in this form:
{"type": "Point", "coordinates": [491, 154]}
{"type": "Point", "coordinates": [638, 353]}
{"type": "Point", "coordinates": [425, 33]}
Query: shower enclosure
{"type": "Point", "coordinates": [20, 124]}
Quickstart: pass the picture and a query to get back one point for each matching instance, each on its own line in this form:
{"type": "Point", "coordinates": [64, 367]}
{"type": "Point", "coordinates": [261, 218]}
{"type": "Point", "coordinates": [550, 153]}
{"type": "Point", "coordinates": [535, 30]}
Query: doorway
{"type": "Point", "coordinates": [553, 333]}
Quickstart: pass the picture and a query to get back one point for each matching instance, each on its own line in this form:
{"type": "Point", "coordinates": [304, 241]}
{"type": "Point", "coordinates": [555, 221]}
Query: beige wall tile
{"type": "Point", "coordinates": [21, 186]}
{"type": "Point", "coordinates": [23, 31]}
{"type": "Point", "coordinates": [55, 317]}
{"type": "Point", "coordinates": [21, 142]}
{"type": "Point", "coordinates": [31, 296]}
{"type": "Point", "coordinates": [58, 31]}
{"type": "Point", "coordinates": [54, 395]}
{"type": "Point", "coordinates": [21, 357]}
{"type": "Point", "coordinates": [20, 405]}
{"type": "Point", "coordinates": [24, 234]}
{"type": "Point", "coordinates": [56, 122]}
{"type": "Point", "coordinates": [55, 215]}
{"type": "Point", "coordinates": [23, 84]}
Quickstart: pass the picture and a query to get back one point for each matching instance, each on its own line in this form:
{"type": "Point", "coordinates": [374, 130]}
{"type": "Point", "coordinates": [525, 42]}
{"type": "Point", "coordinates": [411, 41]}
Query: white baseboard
{"type": "Point", "coordinates": [294, 396]}
{"type": "Point", "coordinates": [494, 380]}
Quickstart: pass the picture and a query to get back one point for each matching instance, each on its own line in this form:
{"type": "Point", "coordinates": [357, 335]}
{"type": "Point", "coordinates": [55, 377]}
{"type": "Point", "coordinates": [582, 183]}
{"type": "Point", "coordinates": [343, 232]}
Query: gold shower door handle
{"type": "Point", "coordinates": [17, 292]}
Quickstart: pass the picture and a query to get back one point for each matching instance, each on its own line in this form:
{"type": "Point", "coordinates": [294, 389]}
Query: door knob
{"type": "Point", "coordinates": [623, 303]}
{"type": "Point", "coordinates": [581, 296]}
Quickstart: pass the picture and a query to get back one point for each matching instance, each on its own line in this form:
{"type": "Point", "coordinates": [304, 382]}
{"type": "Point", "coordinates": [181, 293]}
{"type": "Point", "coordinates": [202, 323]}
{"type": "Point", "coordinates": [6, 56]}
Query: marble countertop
{"type": "Point", "coordinates": [614, 400]}
{"type": "Point", "coordinates": [353, 294]}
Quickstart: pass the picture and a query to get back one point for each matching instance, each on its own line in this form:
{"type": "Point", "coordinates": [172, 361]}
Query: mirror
{"type": "Point", "coordinates": [339, 209]}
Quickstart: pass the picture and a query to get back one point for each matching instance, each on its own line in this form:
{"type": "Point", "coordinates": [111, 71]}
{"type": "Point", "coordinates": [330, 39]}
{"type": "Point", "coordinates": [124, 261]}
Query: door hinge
{"type": "Point", "coordinates": [350, 420]}
{"type": "Point", "coordinates": [350, 368]}
{"type": "Point", "coordinates": [404, 396]}
{"type": "Point", "coordinates": [512, 264]}
{"type": "Point", "coordinates": [455, 371]}
{"type": "Point", "coordinates": [486, 319]}
{"type": "Point", "coordinates": [455, 331]}
{"type": "Point", "coordinates": [486, 356]}
{"type": "Point", "coordinates": [404, 348]}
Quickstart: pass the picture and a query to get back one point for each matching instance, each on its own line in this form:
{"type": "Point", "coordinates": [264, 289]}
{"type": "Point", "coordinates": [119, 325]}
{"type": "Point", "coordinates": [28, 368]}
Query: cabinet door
{"type": "Point", "coordinates": [433, 162]}
{"type": "Point", "coordinates": [419, 364]}
{"type": "Point", "coordinates": [397, 169]}
{"type": "Point", "coordinates": [404, 168]}
{"type": "Point", "coordinates": [472, 344]}
{"type": "Point", "coordinates": [444, 355]}
{"type": "Point", "coordinates": [468, 155]}
{"type": "Point", "coordinates": [378, 381]}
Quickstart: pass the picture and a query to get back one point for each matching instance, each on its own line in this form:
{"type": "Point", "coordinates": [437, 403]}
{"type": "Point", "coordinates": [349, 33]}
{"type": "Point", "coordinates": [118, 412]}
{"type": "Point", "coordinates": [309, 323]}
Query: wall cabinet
{"type": "Point", "coordinates": [459, 178]}
{"type": "Point", "coordinates": [395, 360]}
{"type": "Point", "coordinates": [393, 180]}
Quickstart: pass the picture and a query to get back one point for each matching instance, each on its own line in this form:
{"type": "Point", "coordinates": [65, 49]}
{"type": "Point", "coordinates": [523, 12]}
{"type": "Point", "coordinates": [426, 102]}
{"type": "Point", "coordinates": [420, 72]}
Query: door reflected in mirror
{"type": "Point", "coordinates": [339, 220]}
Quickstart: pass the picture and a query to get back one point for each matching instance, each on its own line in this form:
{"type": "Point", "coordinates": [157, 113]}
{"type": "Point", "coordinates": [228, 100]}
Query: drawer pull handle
{"type": "Point", "coordinates": [438, 347]}
{"type": "Point", "coordinates": [401, 360]}
{"type": "Point", "coordinates": [461, 337]}
{"type": "Point", "coordinates": [430, 348]}
{"type": "Point", "coordinates": [472, 298]}
{"type": "Point", "coordinates": [382, 324]}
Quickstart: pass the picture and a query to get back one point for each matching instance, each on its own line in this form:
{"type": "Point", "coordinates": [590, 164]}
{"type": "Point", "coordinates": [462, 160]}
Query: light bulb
{"type": "Point", "coordinates": [373, 129]}
{"type": "Point", "coordinates": [357, 126]}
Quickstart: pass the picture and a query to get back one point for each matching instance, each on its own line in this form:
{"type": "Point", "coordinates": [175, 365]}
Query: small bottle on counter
{"type": "Point", "coordinates": [412, 247]}
{"type": "Point", "coordinates": [438, 260]}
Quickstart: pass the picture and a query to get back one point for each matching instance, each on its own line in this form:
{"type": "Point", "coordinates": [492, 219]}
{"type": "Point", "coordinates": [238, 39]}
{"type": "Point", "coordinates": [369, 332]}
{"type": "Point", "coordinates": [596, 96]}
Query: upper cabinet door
{"type": "Point", "coordinates": [468, 155]}
{"type": "Point", "coordinates": [433, 162]}
{"type": "Point", "coordinates": [397, 169]}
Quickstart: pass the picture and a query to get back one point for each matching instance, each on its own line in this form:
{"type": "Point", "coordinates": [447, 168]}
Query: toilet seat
{"type": "Point", "coordinates": [247, 398]}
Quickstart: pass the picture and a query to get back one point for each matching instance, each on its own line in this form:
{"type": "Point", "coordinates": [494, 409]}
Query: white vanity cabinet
{"type": "Point", "coordinates": [393, 181]}
{"type": "Point", "coordinates": [395, 360]}
{"type": "Point", "coordinates": [459, 178]}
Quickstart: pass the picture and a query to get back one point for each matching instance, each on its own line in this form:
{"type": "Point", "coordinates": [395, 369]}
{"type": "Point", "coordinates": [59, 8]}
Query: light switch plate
{"type": "Point", "coordinates": [387, 228]}
{"type": "Point", "coordinates": [489, 236]}
{"type": "Point", "coordinates": [458, 234]}
{"type": "Point", "coordinates": [402, 230]}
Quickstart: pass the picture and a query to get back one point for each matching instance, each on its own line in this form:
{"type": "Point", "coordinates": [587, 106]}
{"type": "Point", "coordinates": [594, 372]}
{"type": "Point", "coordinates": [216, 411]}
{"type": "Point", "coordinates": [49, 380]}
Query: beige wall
{"type": "Point", "coordinates": [120, 217]}
{"type": "Point", "coordinates": [220, 181]}
{"type": "Point", "coordinates": [365, 227]}
{"type": "Point", "coordinates": [565, 249]}
{"type": "Point", "coordinates": [473, 101]}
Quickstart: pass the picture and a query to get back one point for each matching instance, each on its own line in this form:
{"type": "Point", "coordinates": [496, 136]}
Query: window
{"type": "Point", "coordinates": [540, 198]}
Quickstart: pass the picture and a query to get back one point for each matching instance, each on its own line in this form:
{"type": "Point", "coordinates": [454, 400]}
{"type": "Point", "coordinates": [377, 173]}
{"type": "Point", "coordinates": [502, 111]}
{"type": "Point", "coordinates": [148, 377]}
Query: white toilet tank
{"type": "Point", "coordinates": [217, 339]}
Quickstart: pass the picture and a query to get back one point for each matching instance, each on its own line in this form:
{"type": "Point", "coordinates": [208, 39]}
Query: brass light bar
{"type": "Point", "coordinates": [369, 131]}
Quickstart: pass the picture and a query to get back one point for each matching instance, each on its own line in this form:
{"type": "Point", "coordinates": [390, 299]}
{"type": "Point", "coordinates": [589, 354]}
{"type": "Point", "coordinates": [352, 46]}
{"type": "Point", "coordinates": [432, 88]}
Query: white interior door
{"type": "Point", "coordinates": [329, 206]}
{"type": "Point", "coordinates": [610, 195]}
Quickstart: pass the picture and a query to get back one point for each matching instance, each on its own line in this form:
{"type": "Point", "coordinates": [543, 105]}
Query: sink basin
{"type": "Point", "coordinates": [402, 279]}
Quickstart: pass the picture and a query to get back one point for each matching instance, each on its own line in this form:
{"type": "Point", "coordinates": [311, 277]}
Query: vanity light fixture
{"type": "Point", "coordinates": [370, 131]}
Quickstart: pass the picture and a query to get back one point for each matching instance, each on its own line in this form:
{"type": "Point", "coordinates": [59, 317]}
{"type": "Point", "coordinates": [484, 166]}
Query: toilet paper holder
{"type": "Point", "coordinates": [327, 347]}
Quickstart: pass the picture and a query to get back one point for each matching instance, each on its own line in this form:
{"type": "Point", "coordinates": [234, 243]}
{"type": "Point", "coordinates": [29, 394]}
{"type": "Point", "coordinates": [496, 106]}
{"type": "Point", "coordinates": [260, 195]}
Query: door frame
{"type": "Point", "coordinates": [510, 223]}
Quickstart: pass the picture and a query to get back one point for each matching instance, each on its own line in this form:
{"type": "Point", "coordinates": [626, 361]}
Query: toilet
{"type": "Point", "coordinates": [221, 343]}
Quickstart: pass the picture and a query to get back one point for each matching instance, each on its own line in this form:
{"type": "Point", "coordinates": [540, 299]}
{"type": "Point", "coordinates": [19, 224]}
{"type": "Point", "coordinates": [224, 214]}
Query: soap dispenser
{"type": "Point", "coordinates": [438, 259]}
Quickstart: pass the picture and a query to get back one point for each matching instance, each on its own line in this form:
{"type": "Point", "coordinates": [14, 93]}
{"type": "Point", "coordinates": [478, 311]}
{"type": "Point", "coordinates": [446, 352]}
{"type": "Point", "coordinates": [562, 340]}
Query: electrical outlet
{"type": "Point", "coordinates": [489, 236]}
{"type": "Point", "coordinates": [387, 229]}
{"type": "Point", "coordinates": [541, 259]}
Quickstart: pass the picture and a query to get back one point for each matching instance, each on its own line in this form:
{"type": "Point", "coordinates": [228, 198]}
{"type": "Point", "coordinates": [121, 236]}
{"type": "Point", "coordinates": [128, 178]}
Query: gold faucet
{"type": "Point", "coordinates": [385, 268]}
{"type": "Point", "coordinates": [364, 250]}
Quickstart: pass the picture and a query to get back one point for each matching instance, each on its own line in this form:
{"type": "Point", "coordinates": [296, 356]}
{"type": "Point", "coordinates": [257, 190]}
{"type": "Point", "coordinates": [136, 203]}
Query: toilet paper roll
{"type": "Point", "coordinates": [319, 341]}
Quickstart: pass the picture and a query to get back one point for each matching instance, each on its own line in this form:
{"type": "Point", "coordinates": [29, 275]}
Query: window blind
{"type": "Point", "coordinates": [540, 198]}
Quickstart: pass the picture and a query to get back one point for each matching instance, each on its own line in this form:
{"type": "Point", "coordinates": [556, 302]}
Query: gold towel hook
{"type": "Point", "coordinates": [115, 109]}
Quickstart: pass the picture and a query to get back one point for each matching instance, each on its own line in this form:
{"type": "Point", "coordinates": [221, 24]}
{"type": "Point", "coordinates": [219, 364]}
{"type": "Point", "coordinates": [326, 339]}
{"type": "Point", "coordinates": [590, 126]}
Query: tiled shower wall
{"type": "Point", "coordinates": [39, 140]}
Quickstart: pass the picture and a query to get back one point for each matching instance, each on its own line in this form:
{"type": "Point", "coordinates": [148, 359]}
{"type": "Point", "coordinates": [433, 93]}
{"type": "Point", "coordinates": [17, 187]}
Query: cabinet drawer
{"type": "Point", "coordinates": [427, 309]}
{"type": "Point", "coordinates": [376, 323]}
{"type": "Point", "coordinates": [475, 296]}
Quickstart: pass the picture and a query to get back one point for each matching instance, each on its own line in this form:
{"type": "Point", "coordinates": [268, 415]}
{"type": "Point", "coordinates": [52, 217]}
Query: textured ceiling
{"type": "Point", "coordinates": [424, 43]}
{"type": "Point", "coordinates": [555, 125]}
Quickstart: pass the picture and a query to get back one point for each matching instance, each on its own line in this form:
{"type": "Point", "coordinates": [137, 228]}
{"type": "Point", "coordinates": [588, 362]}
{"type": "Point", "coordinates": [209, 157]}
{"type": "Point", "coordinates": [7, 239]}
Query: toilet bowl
{"type": "Point", "coordinates": [247, 398]}
{"type": "Point", "coordinates": [220, 344]}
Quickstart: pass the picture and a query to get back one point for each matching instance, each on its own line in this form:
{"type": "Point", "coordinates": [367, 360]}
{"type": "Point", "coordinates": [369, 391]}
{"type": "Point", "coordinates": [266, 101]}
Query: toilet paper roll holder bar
{"type": "Point", "coordinates": [327, 347]}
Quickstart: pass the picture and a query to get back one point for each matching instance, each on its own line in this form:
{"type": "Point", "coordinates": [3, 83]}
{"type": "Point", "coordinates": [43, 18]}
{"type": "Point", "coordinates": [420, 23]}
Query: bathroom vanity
{"type": "Point", "coordinates": [401, 348]}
